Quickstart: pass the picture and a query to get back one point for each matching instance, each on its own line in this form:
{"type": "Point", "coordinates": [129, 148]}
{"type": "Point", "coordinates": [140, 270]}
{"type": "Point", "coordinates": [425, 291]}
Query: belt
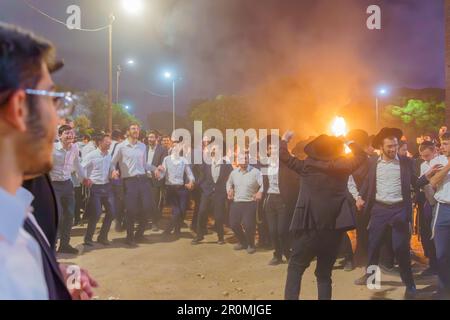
{"type": "Point", "coordinates": [65, 181]}
{"type": "Point", "coordinates": [140, 176]}
{"type": "Point", "coordinates": [390, 206]}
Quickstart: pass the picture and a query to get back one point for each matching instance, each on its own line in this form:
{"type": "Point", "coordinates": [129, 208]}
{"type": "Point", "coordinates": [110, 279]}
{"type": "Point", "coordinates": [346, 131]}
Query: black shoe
{"type": "Point", "coordinates": [131, 243]}
{"type": "Point", "coordinates": [104, 242]}
{"type": "Point", "coordinates": [429, 272]}
{"type": "Point", "coordinates": [410, 293]}
{"type": "Point", "coordinates": [197, 241]}
{"type": "Point", "coordinates": [68, 249]}
{"type": "Point", "coordinates": [119, 227]}
{"type": "Point", "coordinates": [275, 261]}
{"type": "Point", "coordinates": [348, 266]}
{"type": "Point", "coordinates": [389, 270]}
{"type": "Point", "coordinates": [88, 243]}
{"type": "Point", "coordinates": [140, 239]}
{"type": "Point", "coordinates": [362, 281]}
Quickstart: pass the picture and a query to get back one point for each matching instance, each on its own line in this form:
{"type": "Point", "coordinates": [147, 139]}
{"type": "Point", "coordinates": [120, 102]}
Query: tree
{"type": "Point", "coordinates": [83, 125]}
{"type": "Point", "coordinates": [418, 116]}
{"type": "Point", "coordinates": [94, 106]}
{"type": "Point", "coordinates": [224, 112]}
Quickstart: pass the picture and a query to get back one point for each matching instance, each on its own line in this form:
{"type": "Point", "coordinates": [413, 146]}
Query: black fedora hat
{"type": "Point", "coordinates": [325, 148]}
{"type": "Point", "coordinates": [359, 136]}
{"type": "Point", "coordinates": [386, 133]}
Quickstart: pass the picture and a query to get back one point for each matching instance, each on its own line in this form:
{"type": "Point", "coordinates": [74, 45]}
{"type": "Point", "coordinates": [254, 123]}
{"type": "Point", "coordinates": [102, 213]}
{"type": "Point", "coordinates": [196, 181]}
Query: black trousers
{"type": "Point", "coordinates": [119, 204]}
{"type": "Point", "coordinates": [156, 195]}
{"type": "Point", "coordinates": [425, 223]}
{"type": "Point", "coordinates": [243, 214]}
{"type": "Point", "coordinates": [217, 204]}
{"type": "Point", "coordinates": [307, 245]}
{"type": "Point", "coordinates": [79, 203]}
{"type": "Point", "coordinates": [391, 220]}
{"type": "Point", "coordinates": [278, 221]}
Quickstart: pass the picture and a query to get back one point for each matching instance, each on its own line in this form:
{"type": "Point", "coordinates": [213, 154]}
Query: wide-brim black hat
{"type": "Point", "coordinates": [359, 136]}
{"type": "Point", "coordinates": [325, 148]}
{"type": "Point", "coordinates": [386, 133]}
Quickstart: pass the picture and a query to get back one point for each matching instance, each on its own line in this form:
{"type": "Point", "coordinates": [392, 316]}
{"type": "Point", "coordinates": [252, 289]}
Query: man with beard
{"type": "Point", "coordinates": [131, 157]}
{"type": "Point", "coordinates": [323, 211]}
{"type": "Point", "coordinates": [387, 195]}
{"type": "Point", "coordinates": [29, 109]}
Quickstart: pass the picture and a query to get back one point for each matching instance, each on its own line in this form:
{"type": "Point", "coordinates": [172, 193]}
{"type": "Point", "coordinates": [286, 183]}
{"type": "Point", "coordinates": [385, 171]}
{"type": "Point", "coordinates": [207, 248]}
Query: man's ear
{"type": "Point", "coordinates": [15, 112]}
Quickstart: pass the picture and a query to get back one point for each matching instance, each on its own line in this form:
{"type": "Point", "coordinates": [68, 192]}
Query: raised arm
{"type": "Point", "coordinates": [289, 160]}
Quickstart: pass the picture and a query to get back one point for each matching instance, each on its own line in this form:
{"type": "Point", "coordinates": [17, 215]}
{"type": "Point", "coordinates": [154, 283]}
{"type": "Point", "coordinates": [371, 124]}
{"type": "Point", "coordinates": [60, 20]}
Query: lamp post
{"type": "Point", "coordinates": [169, 76]}
{"type": "Point", "coordinates": [380, 93]}
{"type": "Point", "coordinates": [132, 7]}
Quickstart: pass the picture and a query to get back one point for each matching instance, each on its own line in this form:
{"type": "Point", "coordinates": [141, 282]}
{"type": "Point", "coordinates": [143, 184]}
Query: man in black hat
{"type": "Point", "coordinates": [323, 211]}
{"type": "Point", "coordinates": [387, 195]}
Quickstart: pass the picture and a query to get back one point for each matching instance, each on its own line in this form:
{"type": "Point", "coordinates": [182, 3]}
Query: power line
{"type": "Point", "coordinates": [61, 22]}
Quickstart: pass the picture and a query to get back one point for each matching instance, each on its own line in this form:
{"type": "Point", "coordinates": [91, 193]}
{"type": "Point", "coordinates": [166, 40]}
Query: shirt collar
{"type": "Point", "coordinates": [13, 213]}
{"type": "Point", "coordinates": [380, 159]}
{"type": "Point", "coordinates": [249, 168]}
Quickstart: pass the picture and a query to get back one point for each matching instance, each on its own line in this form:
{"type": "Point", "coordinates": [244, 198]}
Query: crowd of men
{"type": "Point", "coordinates": [303, 207]}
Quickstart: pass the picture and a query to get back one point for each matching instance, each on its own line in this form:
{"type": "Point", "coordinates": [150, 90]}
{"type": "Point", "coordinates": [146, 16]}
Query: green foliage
{"type": "Point", "coordinates": [95, 107]}
{"type": "Point", "coordinates": [418, 115]}
{"type": "Point", "coordinates": [222, 113]}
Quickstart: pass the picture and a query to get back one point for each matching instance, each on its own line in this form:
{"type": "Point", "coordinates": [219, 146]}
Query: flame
{"type": "Point", "coordinates": [339, 129]}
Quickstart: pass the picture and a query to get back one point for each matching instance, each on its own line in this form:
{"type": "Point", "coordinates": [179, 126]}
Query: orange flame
{"type": "Point", "coordinates": [339, 129]}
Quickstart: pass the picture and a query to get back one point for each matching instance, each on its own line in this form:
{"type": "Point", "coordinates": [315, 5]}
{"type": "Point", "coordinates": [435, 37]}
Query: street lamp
{"type": "Point", "coordinates": [381, 92]}
{"type": "Point", "coordinates": [130, 62]}
{"type": "Point", "coordinates": [132, 7]}
{"type": "Point", "coordinates": [169, 76]}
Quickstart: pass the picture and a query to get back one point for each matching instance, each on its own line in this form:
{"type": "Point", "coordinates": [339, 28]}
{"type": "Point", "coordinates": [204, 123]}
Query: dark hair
{"type": "Point", "coordinates": [85, 137]}
{"type": "Point", "coordinates": [116, 134]}
{"type": "Point", "coordinates": [21, 58]}
{"type": "Point", "coordinates": [426, 145]}
{"type": "Point", "coordinates": [64, 128]}
{"type": "Point", "coordinates": [152, 132]}
{"type": "Point", "coordinates": [99, 137]}
{"type": "Point", "coordinates": [445, 136]}
{"type": "Point", "coordinates": [133, 124]}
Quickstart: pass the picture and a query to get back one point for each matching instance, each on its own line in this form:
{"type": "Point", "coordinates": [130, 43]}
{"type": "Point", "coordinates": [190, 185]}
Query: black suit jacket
{"type": "Point", "coordinates": [324, 202]}
{"type": "Point", "coordinates": [45, 206]}
{"type": "Point", "coordinates": [206, 182]}
{"type": "Point", "coordinates": [409, 182]}
{"type": "Point", "coordinates": [288, 183]}
{"type": "Point", "coordinates": [158, 157]}
{"type": "Point", "coordinates": [46, 214]}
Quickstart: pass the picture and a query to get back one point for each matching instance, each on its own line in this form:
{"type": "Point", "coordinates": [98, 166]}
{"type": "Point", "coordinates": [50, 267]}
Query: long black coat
{"type": "Point", "coordinates": [206, 183]}
{"type": "Point", "coordinates": [324, 202]}
{"type": "Point", "coordinates": [409, 182]}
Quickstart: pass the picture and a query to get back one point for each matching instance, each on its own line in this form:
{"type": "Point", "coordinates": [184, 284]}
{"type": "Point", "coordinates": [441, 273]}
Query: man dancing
{"type": "Point", "coordinates": [323, 211]}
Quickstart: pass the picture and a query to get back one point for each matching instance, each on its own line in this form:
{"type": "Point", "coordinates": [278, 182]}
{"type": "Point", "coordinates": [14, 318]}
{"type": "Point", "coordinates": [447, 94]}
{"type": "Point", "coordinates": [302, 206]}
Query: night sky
{"type": "Point", "coordinates": [233, 46]}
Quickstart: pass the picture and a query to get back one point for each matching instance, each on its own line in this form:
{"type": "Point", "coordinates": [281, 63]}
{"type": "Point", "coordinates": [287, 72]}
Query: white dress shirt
{"type": "Point", "coordinates": [442, 194]}
{"type": "Point", "coordinates": [245, 183]}
{"type": "Point", "coordinates": [65, 162]}
{"type": "Point", "coordinates": [131, 159]}
{"type": "Point", "coordinates": [174, 169]}
{"type": "Point", "coordinates": [88, 148]}
{"type": "Point", "coordinates": [389, 185]}
{"type": "Point", "coordinates": [352, 188]}
{"type": "Point", "coordinates": [151, 154]}
{"type": "Point", "coordinates": [97, 166]}
{"type": "Point", "coordinates": [424, 167]}
{"type": "Point", "coordinates": [21, 270]}
{"type": "Point", "coordinates": [273, 176]}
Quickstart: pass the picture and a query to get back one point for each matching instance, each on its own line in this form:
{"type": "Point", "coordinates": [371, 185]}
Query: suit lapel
{"type": "Point", "coordinates": [30, 227]}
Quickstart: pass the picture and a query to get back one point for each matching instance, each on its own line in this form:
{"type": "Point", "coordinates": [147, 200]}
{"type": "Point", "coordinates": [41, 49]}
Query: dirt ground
{"type": "Point", "coordinates": [175, 269]}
